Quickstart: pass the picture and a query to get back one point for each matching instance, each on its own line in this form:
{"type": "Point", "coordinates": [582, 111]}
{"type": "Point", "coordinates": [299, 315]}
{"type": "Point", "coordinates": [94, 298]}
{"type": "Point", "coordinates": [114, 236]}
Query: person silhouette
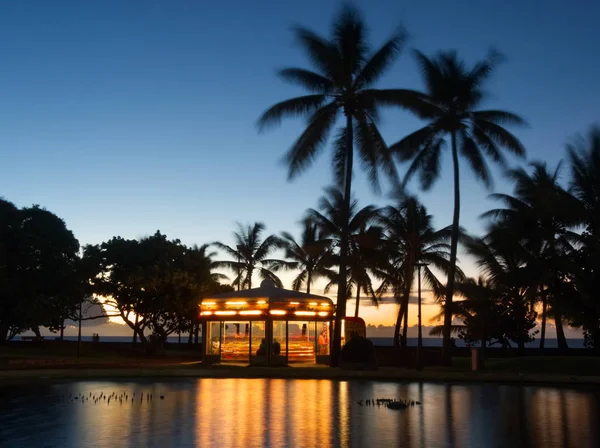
{"type": "Point", "coordinates": [262, 349]}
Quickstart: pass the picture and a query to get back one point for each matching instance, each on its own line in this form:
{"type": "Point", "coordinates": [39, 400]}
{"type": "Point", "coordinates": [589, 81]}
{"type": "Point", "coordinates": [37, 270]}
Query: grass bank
{"type": "Point", "coordinates": [318, 372]}
{"type": "Point", "coordinates": [58, 361]}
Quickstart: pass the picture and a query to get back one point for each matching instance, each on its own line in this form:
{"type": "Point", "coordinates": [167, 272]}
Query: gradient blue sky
{"type": "Point", "coordinates": [124, 117]}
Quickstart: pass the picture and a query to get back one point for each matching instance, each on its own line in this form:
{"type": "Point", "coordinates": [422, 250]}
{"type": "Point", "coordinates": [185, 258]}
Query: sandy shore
{"type": "Point", "coordinates": [8, 377]}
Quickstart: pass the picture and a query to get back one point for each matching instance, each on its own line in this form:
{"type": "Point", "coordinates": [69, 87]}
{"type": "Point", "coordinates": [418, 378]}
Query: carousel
{"type": "Point", "coordinates": [266, 326]}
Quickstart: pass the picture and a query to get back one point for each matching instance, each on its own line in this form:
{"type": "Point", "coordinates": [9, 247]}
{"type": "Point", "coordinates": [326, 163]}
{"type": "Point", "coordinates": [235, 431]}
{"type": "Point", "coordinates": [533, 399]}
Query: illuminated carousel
{"type": "Point", "coordinates": [266, 325]}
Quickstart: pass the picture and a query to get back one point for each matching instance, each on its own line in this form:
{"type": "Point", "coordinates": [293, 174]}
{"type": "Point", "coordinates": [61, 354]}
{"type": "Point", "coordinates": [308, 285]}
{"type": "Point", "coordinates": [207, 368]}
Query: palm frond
{"type": "Point", "coordinates": [349, 39]}
{"type": "Point", "coordinates": [311, 141]}
{"type": "Point", "coordinates": [483, 69]}
{"type": "Point", "coordinates": [226, 248]}
{"type": "Point", "coordinates": [499, 117]}
{"type": "Point", "coordinates": [431, 73]}
{"type": "Point", "coordinates": [381, 60]}
{"type": "Point", "coordinates": [410, 145]}
{"type": "Point", "coordinates": [471, 152]}
{"type": "Point", "coordinates": [308, 79]}
{"type": "Point", "coordinates": [426, 164]}
{"type": "Point", "coordinates": [323, 54]}
{"type": "Point", "coordinates": [300, 106]}
{"type": "Point", "coordinates": [411, 100]}
{"type": "Point", "coordinates": [501, 136]}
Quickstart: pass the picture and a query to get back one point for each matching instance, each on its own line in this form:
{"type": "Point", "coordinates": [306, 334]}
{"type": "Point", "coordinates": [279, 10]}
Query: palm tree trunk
{"type": "Point", "coordinates": [405, 302]}
{"type": "Point", "coordinates": [62, 331]}
{"type": "Point", "coordinates": [397, 328]}
{"type": "Point", "coordinates": [543, 330]}
{"type": "Point", "coordinates": [560, 331]}
{"type": "Point", "coordinates": [308, 279]}
{"type": "Point", "coordinates": [405, 326]}
{"type": "Point", "coordinates": [357, 300]}
{"type": "Point", "coordinates": [341, 293]}
{"type": "Point", "coordinates": [250, 272]}
{"type": "Point", "coordinates": [447, 333]}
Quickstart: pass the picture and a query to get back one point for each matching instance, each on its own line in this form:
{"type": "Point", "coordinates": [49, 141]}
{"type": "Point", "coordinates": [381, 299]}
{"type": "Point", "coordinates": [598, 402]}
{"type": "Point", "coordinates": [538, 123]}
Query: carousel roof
{"type": "Point", "coordinates": [270, 292]}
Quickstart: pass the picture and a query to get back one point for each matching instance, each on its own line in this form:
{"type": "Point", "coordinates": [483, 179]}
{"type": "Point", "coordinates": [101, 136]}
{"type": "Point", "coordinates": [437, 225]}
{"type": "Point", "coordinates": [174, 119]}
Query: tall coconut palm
{"type": "Point", "coordinates": [363, 240]}
{"type": "Point", "coordinates": [250, 255]}
{"type": "Point", "coordinates": [410, 239]}
{"type": "Point", "coordinates": [340, 84]}
{"type": "Point", "coordinates": [311, 256]}
{"type": "Point", "coordinates": [451, 101]}
{"type": "Point", "coordinates": [542, 213]}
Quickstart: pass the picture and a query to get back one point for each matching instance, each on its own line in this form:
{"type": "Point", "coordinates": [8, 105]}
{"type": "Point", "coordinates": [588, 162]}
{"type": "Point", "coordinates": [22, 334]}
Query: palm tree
{"type": "Point", "coordinates": [542, 213]}
{"type": "Point", "coordinates": [345, 69]}
{"type": "Point", "coordinates": [364, 258]}
{"type": "Point", "coordinates": [503, 258]}
{"type": "Point", "coordinates": [250, 255]}
{"type": "Point", "coordinates": [363, 240]}
{"type": "Point", "coordinates": [311, 255]}
{"type": "Point", "coordinates": [450, 104]}
{"type": "Point", "coordinates": [411, 239]}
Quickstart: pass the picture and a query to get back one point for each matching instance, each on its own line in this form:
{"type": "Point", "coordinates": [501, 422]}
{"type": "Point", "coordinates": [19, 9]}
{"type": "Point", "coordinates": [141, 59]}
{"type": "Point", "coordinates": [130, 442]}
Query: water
{"type": "Point", "coordinates": [303, 413]}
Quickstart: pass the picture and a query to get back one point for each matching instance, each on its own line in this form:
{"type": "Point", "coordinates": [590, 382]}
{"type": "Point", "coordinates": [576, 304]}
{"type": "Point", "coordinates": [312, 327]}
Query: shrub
{"type": "Point", "coordinates": [359, 352]}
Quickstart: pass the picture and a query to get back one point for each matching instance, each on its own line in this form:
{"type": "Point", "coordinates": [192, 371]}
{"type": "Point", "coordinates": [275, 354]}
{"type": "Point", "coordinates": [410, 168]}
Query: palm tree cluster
{"type": "Point", "coordinates": [341, 87]}
{"type": "Point", "coordinates": [385, 246]}
{"type": "Point", "coordinates": [539, 256]}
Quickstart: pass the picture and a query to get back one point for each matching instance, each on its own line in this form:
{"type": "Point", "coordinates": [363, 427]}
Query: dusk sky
{"type": "Point", "coordinates": [124, 117]}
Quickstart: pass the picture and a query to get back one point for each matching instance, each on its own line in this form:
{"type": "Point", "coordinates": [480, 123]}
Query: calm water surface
{"type": "Point", "coordinates": [303, 413]}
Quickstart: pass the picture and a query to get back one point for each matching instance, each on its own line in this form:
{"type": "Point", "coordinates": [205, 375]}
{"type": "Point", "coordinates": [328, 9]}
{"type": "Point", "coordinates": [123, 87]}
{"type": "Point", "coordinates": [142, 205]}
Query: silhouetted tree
{"type": "Point", "coordinates": [37, 261]}
{"type": "Point", "coordinates": [481, 313]}
{"type": "Point", "coordinates": [450, 103]}
{"type": "Point", "coordinates": [584, 272]}
{"type": "Point", "coordinates": [250, 255]}
{"type": "Point", "coordinates": [152, 282]}
{"type": "Point", "coordinates": [411, 239]}
{"type": "Point", "coordinates": [542, 213]}
{"type": "Point", "coordinates": [311, 256]}
{"type": "Point", "coordinates": [503, 260]}
{"type": "Point", "coordinates": [363, 240]}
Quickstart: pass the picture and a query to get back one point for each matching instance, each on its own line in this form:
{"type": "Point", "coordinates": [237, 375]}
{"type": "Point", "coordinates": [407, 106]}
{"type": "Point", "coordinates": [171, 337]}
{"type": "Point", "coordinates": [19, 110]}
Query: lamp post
{"type": "Point", "coordinates": [420, 335]}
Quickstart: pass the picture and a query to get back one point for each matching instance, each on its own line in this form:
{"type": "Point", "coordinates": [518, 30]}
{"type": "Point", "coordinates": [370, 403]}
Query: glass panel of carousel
{"type": "Point", "coordinates": [302, 341]}
{"type": "Point", "coordinates": [259, 343]}
{"type": "Point", "coordinates": [212, 338]}
{"type": "Point", "coordinates": [236, 342]}
{"type": "Point", "coordinates": [323, 340]}
{"type": "Point", "coordinates": [279, 338]}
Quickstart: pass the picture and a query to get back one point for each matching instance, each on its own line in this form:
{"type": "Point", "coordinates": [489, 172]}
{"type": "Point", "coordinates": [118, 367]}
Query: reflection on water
{"type": "Point", "coordinates": [310, 413]}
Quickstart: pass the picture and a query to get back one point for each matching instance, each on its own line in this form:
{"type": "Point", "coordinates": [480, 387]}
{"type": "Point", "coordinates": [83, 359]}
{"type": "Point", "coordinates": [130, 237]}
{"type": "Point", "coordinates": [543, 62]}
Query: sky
{"type": "Point", "coordinates": [124, 118]}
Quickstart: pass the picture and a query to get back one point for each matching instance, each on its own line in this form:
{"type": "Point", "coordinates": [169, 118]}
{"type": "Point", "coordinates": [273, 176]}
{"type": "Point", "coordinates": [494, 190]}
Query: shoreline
{"type": "Point", "coordinates": [388, 374]}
